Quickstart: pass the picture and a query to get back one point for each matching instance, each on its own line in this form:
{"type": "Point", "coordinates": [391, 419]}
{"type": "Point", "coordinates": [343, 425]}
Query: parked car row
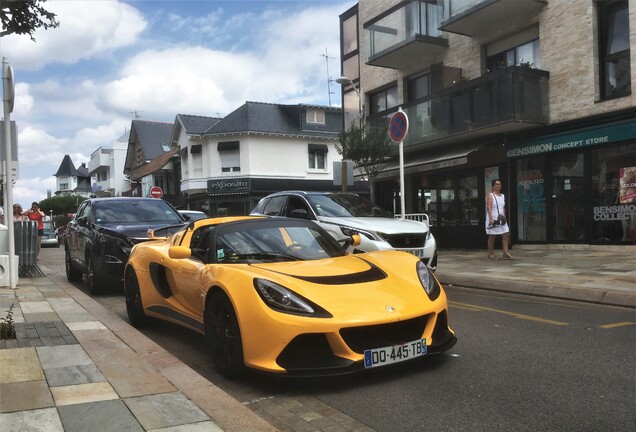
{"type": "Point", "coordinates": [292, 270]}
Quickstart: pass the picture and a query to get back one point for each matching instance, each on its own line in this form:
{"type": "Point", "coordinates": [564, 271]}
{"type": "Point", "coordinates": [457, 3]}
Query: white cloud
{"type": "Point", "coordinates": [77, 86]}
{"type": "Point", "coordinates": [86, 28]}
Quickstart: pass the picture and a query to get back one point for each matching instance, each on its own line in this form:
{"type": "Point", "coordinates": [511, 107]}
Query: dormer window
{"type": "Point", "coordinates": [315, 116]}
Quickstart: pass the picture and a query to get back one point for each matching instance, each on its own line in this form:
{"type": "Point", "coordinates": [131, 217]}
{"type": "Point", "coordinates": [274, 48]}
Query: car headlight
{"type": "Point", "coordinates": [427, 280]}
{"type": "Point", "coordinates": [284, 300]}
{"type": "Point", "coordinates": [349, 231]}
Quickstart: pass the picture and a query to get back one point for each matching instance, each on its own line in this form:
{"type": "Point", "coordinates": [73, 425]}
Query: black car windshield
{"type": "Point", "coordinates": [131, 211]}
{"type": "Point", "coordinates": [346, 205]}
{"type": "Point", "coordinates": [271, 241]}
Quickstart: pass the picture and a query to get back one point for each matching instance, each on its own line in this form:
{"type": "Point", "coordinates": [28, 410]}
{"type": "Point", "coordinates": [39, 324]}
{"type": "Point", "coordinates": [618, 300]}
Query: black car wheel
{"type": "Point", "coordinates": [71, 274]}
{"type": "Point", "coordinates": [93, 282]}
{"type": "Point", "coordinates": [134, 305]}
{"type": "Point", "coordinates": [224, 335]}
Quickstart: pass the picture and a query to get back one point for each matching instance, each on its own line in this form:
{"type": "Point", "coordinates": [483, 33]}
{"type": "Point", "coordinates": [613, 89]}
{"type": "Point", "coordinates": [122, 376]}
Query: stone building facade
{"type": "Point", "coordinates": [538, 93]}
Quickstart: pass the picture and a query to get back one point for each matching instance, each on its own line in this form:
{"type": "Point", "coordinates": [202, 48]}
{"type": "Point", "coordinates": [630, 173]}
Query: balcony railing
{"type": "Point", "coordinates": [502, 101]}
{"type": "Point", "coordinates": [479, 17]}
{"type": "Point", "coordinates": [406, 33]}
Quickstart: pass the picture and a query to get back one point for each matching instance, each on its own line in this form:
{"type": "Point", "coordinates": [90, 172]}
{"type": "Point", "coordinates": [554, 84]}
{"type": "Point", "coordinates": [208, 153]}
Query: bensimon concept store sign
{"type": "Point", "coordinates": [586, 138]}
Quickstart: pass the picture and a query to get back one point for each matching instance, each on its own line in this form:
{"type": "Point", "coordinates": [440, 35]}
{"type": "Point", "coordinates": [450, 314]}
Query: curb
{"type": "Point", "coordinates": [539, 289]}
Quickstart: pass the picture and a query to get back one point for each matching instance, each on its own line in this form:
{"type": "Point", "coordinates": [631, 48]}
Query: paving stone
{"type": "Point", "coordinates": [23, 396]}
{"type": "Point", "coordinates": [72, 375]}
{"type": "Point", "coordinates": [192, 427]}
{"type": "Point", "coordinates": [61, 356]}
{"type": "Point", "coordinates": [42, 420]}
{"type": "Point", "coordinates": [20, 364]}
{"type": "Point", "coordinates": [165, 410]}
{"type": "Point", "coordinates": [128, 374]}
{"type": "Point", "coordinates": [83, 393]}
{"type": "Point", "coordinates": [110, 415]}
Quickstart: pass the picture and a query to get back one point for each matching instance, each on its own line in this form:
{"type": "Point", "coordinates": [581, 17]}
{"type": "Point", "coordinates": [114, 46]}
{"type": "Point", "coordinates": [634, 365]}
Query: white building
{"type": "Point", "coordinates": [106, 168]}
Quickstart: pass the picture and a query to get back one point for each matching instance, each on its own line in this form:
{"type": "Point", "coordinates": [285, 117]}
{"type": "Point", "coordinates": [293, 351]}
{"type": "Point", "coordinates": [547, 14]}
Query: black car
{"type": "Point", "coordinates": [98, 240]}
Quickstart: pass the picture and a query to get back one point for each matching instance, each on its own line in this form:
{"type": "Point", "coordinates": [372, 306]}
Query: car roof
{"type": "Point", "coordinates": [299, 192]}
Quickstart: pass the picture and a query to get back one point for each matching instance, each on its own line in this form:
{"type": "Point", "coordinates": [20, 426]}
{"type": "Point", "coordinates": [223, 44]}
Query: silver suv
{"type": "Point", "coordinates": [342, 213]}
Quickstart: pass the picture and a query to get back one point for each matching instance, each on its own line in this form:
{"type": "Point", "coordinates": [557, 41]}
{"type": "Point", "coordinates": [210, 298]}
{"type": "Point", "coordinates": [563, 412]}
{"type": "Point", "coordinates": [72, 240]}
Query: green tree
{"type": "Point", "coordinates": [368, 148]}
{"type": "Point", "coordinates": [62, 206]}
{"type": "Point", "coordinates": [24, 17]}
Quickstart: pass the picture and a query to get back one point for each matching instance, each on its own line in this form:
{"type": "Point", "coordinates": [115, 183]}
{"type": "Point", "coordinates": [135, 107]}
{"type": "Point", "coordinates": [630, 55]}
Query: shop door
{"type": "Point", "coordinates": [456, 220]}
{"type": "Point", "coordinates": [566, 221]}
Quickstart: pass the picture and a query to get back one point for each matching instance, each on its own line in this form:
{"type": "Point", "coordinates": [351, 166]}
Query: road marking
{"type": "Point", "coordinates": [514, 314]}
{"type": "Point", "coordinates": [620, 324]}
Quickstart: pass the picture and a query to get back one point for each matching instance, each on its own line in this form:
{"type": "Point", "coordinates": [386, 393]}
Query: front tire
{"type": "Point", "coordinates": [95, 285]}
{"type": "Point", "coordinates": [223, 334]}
{"type": "Point", "coordinates": [134, 305]}
{"type": "Point", "coordinates": [71, 274]}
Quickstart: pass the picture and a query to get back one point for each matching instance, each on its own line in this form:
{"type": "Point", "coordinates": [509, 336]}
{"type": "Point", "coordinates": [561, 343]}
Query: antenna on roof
{"type": "Point", "coordinates": [137, 114]}
{"type": "Point", "coordinates": [329, 92]}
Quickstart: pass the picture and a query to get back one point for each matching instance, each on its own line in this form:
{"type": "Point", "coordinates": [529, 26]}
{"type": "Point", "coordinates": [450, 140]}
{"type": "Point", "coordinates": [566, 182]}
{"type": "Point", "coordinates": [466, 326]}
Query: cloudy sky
{"type": "Point", "coordinates": [79, 86]}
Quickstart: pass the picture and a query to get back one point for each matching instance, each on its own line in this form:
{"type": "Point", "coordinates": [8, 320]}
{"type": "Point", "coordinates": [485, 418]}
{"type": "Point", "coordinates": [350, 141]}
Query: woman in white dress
{"type": "Point", "coordinates": [495, 206]}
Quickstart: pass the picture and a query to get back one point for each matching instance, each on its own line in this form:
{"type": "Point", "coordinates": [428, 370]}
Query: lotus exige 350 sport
{"type": "Point", "coordinates": [282, 296]}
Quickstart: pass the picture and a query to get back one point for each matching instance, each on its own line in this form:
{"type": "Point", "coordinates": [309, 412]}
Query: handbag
{"type": "Point", "coordinates": [501, 219]}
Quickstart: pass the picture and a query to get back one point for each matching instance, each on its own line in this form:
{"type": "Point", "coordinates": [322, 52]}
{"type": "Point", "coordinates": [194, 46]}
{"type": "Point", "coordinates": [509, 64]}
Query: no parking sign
{"type": "Point", "coordinates": [398, 126]}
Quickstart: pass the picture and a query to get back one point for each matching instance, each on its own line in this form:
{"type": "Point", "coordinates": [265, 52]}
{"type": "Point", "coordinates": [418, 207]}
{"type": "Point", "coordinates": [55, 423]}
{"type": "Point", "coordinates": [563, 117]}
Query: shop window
{"type": "Point", "coordinates": [531, 199]}
{"type": "Point", "coordinates": [459, 204]}
{"type": "Point", "coordinates": [384, 99]}
{"type": "Point", "coordinates": [614, 194]}
{"type": "Point", "coordinates": [614, 48]}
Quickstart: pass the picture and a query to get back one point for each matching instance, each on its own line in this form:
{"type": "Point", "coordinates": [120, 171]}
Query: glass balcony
{"type": "Point", "coordinates": [406, 33]}
{"type": "Point", "coordinates": [479, 17]}
{"type": "Point", "coordinates": [502, 101]}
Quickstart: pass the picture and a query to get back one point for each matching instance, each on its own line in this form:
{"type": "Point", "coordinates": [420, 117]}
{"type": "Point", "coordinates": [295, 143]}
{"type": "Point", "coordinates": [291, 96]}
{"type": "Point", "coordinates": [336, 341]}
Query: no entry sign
{"type": "Point", "coordinates": [156, 192]}
{"type": "Point", "coordinates": [399, 126]}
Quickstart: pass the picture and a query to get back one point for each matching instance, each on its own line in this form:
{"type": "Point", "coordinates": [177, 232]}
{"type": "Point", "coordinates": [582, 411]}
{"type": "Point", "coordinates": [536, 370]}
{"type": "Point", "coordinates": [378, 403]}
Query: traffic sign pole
{"type": "Point", "coordinates": [398, 128]}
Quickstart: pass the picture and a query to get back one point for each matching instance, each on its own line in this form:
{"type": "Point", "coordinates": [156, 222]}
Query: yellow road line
{"type": "Point", "coordinates": [514, 314]}
{"type": "Point", "coordinates": [620, 324]}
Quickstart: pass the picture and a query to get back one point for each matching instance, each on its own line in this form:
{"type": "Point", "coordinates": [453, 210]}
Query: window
{"type": "Point", "coordinates": [384, 99]}
{"type": "Point", "coordinates": [230, 156]}
{"type": "Point", "coordinates": [418, 87]}
{"type": "Point", "coordinates": [315, 116]}
{"type": "Point", "coordinates": [614, 52]}
{"type": "Point", "coordinates": [519, 49]}
{"type": "Point", "coordinates": [197, 160]}
{"type": "Point", "coordinates": [317, 156]}
{"type": "Point", "coordinates": [63, 186]}
{"type": "Point", "coordinates": [527, 54]}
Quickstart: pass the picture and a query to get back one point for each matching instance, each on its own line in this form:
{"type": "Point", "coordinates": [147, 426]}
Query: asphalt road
{"type": "Point", "coordinates": [521, 364]}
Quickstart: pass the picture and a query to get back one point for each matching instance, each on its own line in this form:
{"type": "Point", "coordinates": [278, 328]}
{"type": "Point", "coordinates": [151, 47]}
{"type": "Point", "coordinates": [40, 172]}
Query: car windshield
{"type": "Point", "coordinates": [48, 226]}
{"type": "Point", "coordinates": [346, 205]}
{"type": "Point", "coordinates": [131, 211]}
{"type": "Point", "coordinates": [271, 241]}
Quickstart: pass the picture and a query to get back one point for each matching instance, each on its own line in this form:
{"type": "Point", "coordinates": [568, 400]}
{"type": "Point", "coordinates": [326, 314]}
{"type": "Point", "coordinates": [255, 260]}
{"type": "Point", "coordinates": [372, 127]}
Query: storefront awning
{"type": "Point", "coordinates": [458, 155]}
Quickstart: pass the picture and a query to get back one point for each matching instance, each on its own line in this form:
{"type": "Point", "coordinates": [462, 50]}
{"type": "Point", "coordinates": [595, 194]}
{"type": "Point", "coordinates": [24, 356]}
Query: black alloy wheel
{"type": "Point", "coordinates": [223, 334]}
{"type": "Point", "coordinates": [134, 305]}
{"type": "Point", "coordinates": [72, 274]}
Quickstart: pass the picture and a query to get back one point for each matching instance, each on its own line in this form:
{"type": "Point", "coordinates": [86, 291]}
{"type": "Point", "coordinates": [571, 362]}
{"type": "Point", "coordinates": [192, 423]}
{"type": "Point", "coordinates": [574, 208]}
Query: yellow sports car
{"type": "Point", "coordinates": [280, 295]}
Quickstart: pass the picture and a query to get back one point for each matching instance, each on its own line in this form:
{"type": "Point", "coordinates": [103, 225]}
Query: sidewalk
{"type": "Point", "coordinates": [75, 366]}
{"type": "Point", "coordinates": [597, 274]}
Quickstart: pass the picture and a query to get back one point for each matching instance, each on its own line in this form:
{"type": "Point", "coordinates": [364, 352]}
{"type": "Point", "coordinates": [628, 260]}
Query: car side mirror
{"type": "Point", "coordinates": [352, 240]}
{"type": "Point", "coordinates": [298, 214]}
{"type": "Point", "coordinates": [82, 221]}
{"type": "Point", "coordinates": [179, 252]}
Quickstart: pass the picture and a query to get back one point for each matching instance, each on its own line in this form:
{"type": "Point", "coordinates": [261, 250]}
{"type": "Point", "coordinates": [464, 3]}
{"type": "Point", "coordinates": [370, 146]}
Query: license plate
{"type": "Point", "coordinates": [417, 252]}
{"type": "Point", "coordinates": [394, 354]}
